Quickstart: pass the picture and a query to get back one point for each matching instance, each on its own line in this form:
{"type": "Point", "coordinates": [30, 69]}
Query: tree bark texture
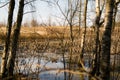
{"type": "Point", "coordinates": [7, 42]}
{"type": "Point", "coordinates": [96, 60]}
{"type": "Point", "coordinates": [106, 41]}
{"type": "Point", "coordinates": [83, 34]}
{"type": "Point", "coordinates": [11, 59]}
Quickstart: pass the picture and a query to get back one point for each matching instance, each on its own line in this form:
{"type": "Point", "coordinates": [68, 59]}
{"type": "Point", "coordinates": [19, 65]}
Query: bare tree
{"type": "Point", "coordinates": [16, 33]}
{"type": "Point", "coordinates": [115, 12]}
{"type": "Point", "coordinates": [80, 12]}
{"type": "Point", "coordinates": [6, 61]}
{"type": "Point", "coordinates": [83, 34]}
{"type": "Point", "coordinates": [4, 5]}
{"type": "Point", "coordinates": [106, 41]}
{"type": "Point", "coordinates": [96, 61]}
{"type": "Point", "coordinates": [7, 42]}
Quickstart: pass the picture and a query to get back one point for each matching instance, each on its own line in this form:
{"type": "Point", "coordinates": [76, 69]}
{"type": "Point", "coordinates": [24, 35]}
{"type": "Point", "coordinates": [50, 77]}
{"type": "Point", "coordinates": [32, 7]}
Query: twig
{"type": "Point", "coordinates": [4, 5]}
{"type": "Point", "coordinates": [28, 12]}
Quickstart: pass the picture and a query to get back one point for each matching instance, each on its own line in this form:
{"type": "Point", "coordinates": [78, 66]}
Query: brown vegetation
{"type": "Point", "coordinates": [57, 33]}
{"type": "Point", "coordinates": [36, 38]}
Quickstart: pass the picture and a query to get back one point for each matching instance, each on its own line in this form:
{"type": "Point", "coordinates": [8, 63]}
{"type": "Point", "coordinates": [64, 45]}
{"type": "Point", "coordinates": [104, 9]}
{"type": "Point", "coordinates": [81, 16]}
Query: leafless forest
{"type": "Point", "coordinates": [83, 43]}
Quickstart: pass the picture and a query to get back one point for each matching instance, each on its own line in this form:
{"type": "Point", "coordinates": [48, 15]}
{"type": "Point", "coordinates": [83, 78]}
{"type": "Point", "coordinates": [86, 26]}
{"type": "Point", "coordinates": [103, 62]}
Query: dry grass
{"type": "Point", "coordinates": [58, 33]}
{"type": "Point", "coordinates": [37, 32]}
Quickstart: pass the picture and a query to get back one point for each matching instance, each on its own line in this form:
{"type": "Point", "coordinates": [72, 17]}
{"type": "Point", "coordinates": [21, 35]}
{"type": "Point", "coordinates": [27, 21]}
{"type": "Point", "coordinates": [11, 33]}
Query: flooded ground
{"type": "Point", "coordinates": [44, 68]}
{"type": "Point", "coordinates": [50, 66]}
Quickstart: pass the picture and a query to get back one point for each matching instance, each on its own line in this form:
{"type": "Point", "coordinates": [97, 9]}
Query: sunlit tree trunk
{"type": "Point", "coordinates": [7, 42]}
{"type": "Point", "coordinates": [106, 41]}
{"type": "Point", "coordinates": [11, 59]}
{"type": "Point", "coordinates": [84, 33]}
{"type": "Point", "coordinates": [115, 12]}
{"type": "Point", "coordinates": [80, 12]}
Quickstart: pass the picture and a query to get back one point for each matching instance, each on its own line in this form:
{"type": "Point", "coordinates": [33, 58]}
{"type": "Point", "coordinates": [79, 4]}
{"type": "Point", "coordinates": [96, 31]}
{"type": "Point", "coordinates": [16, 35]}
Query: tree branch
{"type": "Point", "coordinates": [30, 2]}
{"type": "Point", "coordinates": [4, 4]}
{"type": "Point", "coordinates": [28, 12]}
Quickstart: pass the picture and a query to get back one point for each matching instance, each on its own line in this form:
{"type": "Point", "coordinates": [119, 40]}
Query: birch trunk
{"type": "Point", "coordinates": [106, 41]}
{"type": "Point", "coordinates": [7, 42]}
{"type": "Point", "coordinates": [97, 26]}
{"type": "Point", "coordinates": [115, 12]}
{"type": "Point", "coordinates": [83, 34]}
{"type": "Point", "coordinates": [80, 20]}
{"type": "Point", "coordinates": [11, 59]}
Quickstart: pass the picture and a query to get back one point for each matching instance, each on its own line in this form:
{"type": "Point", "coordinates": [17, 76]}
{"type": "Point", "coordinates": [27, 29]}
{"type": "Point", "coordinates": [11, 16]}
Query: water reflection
{"type": "Point", "coordinates": [48, 70]}
{"type": "Point", "coordinates": [45, 69]}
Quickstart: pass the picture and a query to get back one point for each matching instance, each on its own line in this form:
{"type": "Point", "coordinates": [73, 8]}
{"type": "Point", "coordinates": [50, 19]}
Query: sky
{"type": "Point", "coordinates": [43, 12]}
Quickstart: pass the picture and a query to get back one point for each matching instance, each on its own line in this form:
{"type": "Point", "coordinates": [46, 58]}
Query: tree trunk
{"type": "Point", "coordinates": [96, 56]}
{"type": "Point", "coordinates": [7, 42]}
{"type": "Point", "coordinates": [106, 42]}
{"type": "Point", "coordinates": [80, 20]}
{"type": "Point", "coordinates": [83, 35]}
{"type": "Point", "coordinates": [11, 59]}
{"type": "Point", "coordinates": [115, 12]}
